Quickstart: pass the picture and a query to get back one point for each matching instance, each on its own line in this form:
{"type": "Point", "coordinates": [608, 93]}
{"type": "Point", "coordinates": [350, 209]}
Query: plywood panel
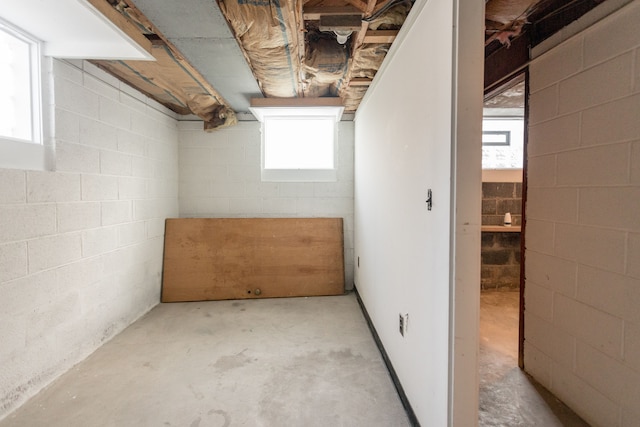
{"type": "Point", "coordinates": [233, 258]}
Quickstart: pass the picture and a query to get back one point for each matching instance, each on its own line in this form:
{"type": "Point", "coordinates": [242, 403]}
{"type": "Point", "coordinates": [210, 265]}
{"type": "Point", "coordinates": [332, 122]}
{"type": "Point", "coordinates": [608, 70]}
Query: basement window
{"type": "Point", "coordinates": [299, 143]}
{"type": "Point", "coordinates": [19, 85]}
{"type": "Point", "coordinates": [20, 100]}
{"type": "Point", "coordinates": [502, 142]}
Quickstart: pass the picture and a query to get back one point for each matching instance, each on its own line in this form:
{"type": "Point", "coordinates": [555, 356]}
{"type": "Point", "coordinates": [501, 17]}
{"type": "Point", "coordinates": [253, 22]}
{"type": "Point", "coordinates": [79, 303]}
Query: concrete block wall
{"type": "Point", "coordinates": [498, 198]}
{"type": "Point", "coordinates": [500, 252]}
{"type": "Point", "coordinates": [582, 327]}
{"type": "Point", "coordinates": [220, 177]}
{"type": "Point", "coordinates": [81, 247]}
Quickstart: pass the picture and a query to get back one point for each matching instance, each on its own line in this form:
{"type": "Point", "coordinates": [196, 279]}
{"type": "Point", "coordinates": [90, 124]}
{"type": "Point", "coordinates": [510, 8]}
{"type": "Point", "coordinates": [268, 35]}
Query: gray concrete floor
{"type": "Point", "coordinates": [273, 362]}
{"type": "Point", "coordinates": [276, 362]}
{"type": "Point", "coordinates": [508, 396]}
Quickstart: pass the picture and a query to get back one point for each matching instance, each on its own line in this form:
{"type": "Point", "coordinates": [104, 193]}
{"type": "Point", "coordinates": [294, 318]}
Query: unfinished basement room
{"type": "Point", "coordinates": [359, 213]}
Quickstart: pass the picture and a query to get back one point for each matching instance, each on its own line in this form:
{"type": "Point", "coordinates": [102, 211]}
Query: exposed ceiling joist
{"type": "Point", "coordinates": [355, 83]}
{"type": "Point", "coordinates": [170, 79]}
{"type": "Point", "coordinates": [290, 48]}
{"type": "Point", "coordinates": [380, 36]}
{"type": "Point", "coordinates": [359, 40]}
{"type": "Point", "coordinates": [360, 81]}
{"type": "Point", "coordinates": [121, 22]}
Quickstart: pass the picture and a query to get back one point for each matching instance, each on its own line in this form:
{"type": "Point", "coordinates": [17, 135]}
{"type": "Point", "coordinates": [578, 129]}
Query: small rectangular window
{"type": "Point", "coordinates": [496, 137]}
{"type": "Point", "coordinates": [298, 149]}
{"type": "Point", "coordinates": [502, 142]}
{"type": "Point", "coordinates": [19, 86]}
{"type": "Point", "coordinates": [21, 140]}
{"type": "Point", "coordinates": [299, 141]}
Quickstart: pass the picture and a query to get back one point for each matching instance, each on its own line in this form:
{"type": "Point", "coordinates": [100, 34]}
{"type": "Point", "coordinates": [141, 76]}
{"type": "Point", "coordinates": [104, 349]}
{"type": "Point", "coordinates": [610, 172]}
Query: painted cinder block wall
{"type": "Point", "coordinates": [220, 177]}
{"type": "Point", "coordinates": [81, 246]}
{"type": "Point", "coordinates": [582, 318]}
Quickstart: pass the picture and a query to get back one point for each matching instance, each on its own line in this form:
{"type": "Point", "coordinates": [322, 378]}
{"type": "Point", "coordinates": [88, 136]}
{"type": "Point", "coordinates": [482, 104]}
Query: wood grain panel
{"type": "Point", "coordinates": [229, 258]}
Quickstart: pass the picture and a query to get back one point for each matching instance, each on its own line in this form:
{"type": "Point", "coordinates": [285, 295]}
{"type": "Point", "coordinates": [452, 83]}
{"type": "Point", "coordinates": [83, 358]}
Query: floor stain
{"type": "Point", "coordinates": [223, 414]}
{"type": "Point", "coordinates": [198, 395]}
{"type": "Point", "coordinates": [343, 354]}
{"type": "Point", "coordinates": [226, 363]}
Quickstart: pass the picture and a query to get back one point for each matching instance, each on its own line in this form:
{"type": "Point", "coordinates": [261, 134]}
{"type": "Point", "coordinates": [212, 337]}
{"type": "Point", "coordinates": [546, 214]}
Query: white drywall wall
{"type": "Point", "coordinates": [582, 322]}
{"type": "Point", "coordinates": [409, 256]}
{"type": "Point", "coordinates": [220, 177]}
{"type": "Point", "coordinates": [81, 247]}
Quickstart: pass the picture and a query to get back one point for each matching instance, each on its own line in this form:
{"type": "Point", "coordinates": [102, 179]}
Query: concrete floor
{"type": "Point", "coordinates": [276, 362]}
{"type": "Point", "coordinates": [508, 396]}
{"type": "Point", "coordinates": [273, 362]}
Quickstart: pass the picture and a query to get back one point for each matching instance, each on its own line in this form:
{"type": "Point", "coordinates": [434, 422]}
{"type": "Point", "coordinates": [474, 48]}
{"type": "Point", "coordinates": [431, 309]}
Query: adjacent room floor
{"type": "Point", "coordinates": [509, 397]}
{"type": "Point", "coordinates": [270, 362]}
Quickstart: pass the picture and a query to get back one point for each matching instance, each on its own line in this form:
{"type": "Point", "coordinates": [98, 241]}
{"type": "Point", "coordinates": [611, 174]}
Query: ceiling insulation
{"type": "Point", "coordinates": [170, 79]}
{"type": "Point", "coordinates": [505, 19]}
{"type": "Point", "coordinates": [267, 34]}
{"type": "Point", "coordinates": [297, 48]}
{"type": "Point", "coordinates": [293, 55]}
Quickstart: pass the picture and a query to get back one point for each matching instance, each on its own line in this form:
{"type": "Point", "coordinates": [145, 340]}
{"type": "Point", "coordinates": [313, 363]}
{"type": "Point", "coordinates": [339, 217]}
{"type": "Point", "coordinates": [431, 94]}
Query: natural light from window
{"type": "Point", "coordinates": [299, 143]}
{"type": "Point", "coordinates": [502, 142]}
{"type": "Point", "coordinates": [16, 87]}
{"type": "Point", "coordinates": [299, 138]}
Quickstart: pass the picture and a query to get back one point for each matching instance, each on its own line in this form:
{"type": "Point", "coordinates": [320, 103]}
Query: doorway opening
{"type": "Point", "coordinates": [503, 154]}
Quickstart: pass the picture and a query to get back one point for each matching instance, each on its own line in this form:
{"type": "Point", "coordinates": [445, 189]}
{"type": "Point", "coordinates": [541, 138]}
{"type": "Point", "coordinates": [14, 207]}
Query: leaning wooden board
{"type": "Point", "coordinates": [233, 258]}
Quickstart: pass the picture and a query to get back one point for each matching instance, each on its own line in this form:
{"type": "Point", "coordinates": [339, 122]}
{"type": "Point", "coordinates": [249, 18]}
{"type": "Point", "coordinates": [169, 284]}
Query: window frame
{"type": "Point", "coordinates": [33, 153]}
{"type": "Point", "coordinates": [332, 107]}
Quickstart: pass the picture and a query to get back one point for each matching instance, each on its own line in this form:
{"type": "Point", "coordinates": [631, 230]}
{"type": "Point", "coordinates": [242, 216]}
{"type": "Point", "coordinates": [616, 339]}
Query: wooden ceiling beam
{"type": "Point", "coordinates": [380, 36]}
{"type": "Point", "coordinates": [360, 81]}
{"type": "Point", "coordinates": [359, 37]}
{"type": "Point", "coordinates": [327, 101]}
{"type": "Point", "coordinates": [122, 23]}
{"type": "Point", "coordinates": [357, 42]}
